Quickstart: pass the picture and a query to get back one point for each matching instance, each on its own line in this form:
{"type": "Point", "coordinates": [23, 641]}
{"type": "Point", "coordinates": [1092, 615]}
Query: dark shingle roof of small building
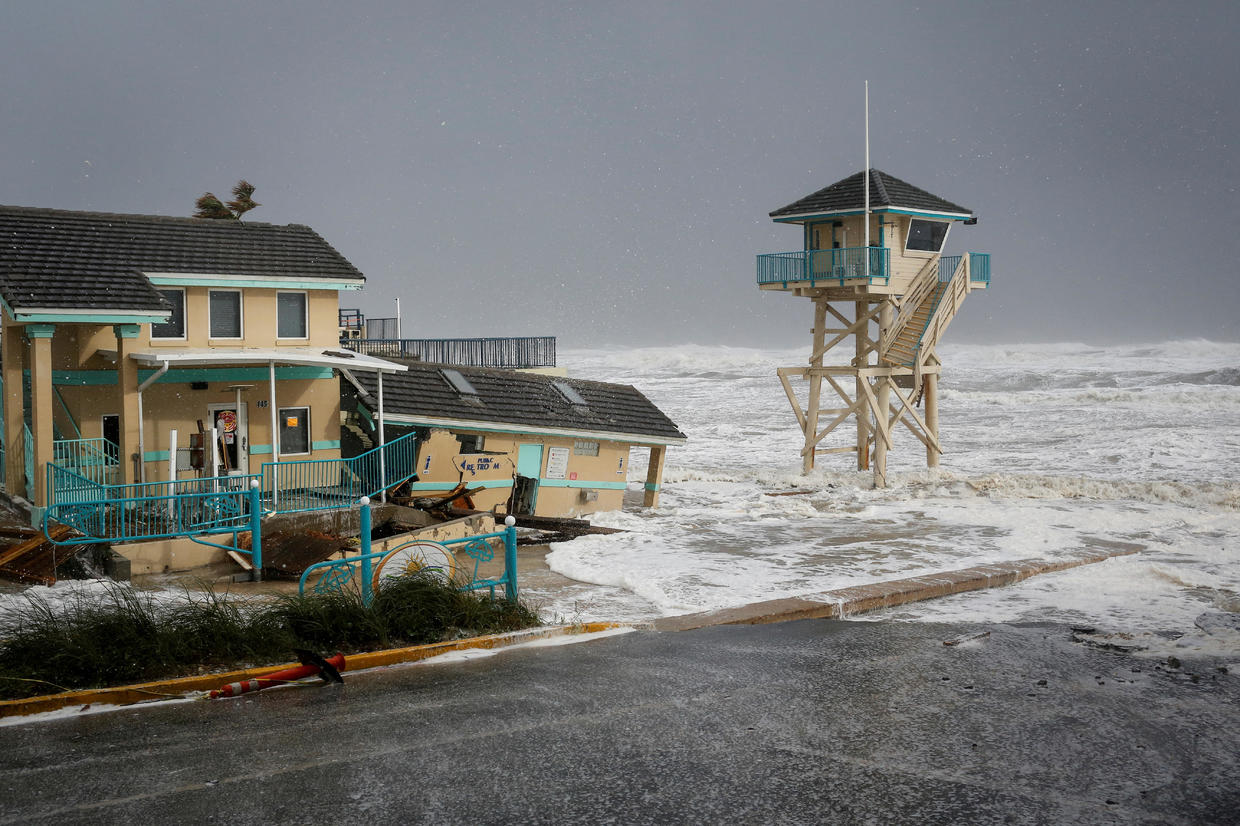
{"type": "Point", "coordinates": [508, 397]}
{"type": "Point", "coordinates": [52, 258]}
{"type": "Point", "coordinates": [885, 191]}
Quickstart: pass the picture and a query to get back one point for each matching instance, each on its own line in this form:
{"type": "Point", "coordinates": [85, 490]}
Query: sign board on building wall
{"type": "Point", "coordinates": [472, 464]}
{"type": "Point", "coordinates": [557, 462]}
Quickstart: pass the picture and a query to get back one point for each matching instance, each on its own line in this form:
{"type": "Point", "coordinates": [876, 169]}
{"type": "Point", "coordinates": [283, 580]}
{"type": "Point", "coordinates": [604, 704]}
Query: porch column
{"type": "Point", "coordinates": [128, 400]}
{"type": "Point", "coordinates": [654, 476]}
{"type": "Point", "coordinates": [41, 412]}
{"type": "Point", "coordinates": [13, 350]}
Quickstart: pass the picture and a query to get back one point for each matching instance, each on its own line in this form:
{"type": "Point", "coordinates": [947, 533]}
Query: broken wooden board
{"type": "Point", "coordinates": [287, 553]}
{"type": "Point", "coordinates": [35, 559]}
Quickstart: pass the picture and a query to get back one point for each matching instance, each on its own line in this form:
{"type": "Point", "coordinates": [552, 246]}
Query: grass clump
{"type": "Point", "coordinates": [126, 636]}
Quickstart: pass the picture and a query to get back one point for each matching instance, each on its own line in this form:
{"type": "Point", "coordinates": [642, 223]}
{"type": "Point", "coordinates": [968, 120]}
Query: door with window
{"type": "Point", "coordinates": [232, 443]}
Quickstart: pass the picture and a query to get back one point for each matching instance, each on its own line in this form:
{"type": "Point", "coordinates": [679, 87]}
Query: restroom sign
{"type": "Point", "coordinates": [226, 421]}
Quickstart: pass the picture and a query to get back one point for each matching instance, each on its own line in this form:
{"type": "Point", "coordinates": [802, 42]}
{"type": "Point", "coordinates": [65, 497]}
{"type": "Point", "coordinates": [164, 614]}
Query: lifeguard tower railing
{"type": "Point", "coordinates": [514, 353]}
{"type": "Point", "coordinates": [872, 264]}
{"type": "Point", "coordinates": [102, 510]}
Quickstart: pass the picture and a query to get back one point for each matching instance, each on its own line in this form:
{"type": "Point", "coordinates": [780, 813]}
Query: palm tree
{"type": "Point", "coordinates": [209, 206]}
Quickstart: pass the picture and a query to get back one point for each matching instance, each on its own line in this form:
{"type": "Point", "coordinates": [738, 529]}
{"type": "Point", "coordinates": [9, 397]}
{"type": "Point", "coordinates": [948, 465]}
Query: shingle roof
{"type": "Point", "coordinates": [885, 191]}
{"type": "Point", "coordinates": [528, 399]}
{"type": "Point", "coordinates": [52, 258]}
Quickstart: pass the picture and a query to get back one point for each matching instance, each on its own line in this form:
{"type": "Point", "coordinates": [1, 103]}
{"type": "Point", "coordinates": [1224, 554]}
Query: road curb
{"type": "Point", "coordinates": [859, 599]}
{"type": "Point", "coordinates": [180, 687]}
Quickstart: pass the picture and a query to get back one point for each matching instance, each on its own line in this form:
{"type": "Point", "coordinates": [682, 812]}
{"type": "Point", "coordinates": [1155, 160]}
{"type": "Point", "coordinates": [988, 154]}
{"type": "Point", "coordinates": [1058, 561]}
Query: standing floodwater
{"type": "Point", "coordinates": [1048, 449]}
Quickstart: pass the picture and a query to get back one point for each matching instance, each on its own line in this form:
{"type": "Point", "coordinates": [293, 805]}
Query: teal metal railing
{"type": "Point", "coordinates": [151, 510]}
{"type": "Point", "coordinates": [325, 484]}
{"type": "Point", "coordinates": [839, 265]}
{"type": "Point", "coordinates": [337, 574]}
{"type": "Point", "coordinates": [947, 267]}
{"type": "Point", "coordinates": [979, 267]}
{"type": "Point", "coordinates": [28, 448]}
{"type": "Point", "coordinates": [507, 351]}
{"type": "Point", "coordinates": [96, 459]}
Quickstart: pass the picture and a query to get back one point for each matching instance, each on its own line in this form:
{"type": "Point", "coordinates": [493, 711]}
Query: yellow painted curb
{"type": "Point", "coordinates": [180, 687]}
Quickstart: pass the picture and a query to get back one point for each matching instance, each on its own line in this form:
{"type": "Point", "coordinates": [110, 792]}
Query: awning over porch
{"type": "Point", "coordinates": [335, 357]}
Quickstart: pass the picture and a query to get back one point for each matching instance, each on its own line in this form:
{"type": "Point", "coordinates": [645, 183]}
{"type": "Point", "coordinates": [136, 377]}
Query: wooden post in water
{"type": "Point", "coordinates": [882, 410]}
{"type": "Point", "coordinates": [815, 385]}
{"type": "Point", "coordinates": [931, 395]}
{"type": "Point", "coordinates": [859, 361]}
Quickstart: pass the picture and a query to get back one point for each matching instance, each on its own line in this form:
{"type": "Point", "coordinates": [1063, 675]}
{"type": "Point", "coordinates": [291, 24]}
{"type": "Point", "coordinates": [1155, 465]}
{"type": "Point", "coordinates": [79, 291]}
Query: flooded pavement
{"type": "Point", "coordinates": [804, 722]}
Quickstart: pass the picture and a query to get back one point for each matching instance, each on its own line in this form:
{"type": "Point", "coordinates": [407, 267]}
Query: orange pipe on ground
{"type": "Point", "coordinates": [288, 675]}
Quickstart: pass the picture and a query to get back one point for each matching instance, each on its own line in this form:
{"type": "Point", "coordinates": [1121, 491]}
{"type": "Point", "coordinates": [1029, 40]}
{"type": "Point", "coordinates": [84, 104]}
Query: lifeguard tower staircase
{"type": "Point", "coordinates": [903, 294]}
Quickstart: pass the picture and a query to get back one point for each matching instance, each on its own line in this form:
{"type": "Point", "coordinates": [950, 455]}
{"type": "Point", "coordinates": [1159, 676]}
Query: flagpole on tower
{"type": "Point", "coordinates": [867, 175]}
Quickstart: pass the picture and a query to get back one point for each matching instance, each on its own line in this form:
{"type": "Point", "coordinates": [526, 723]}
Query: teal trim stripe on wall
{"type": "Point", "coordinates": [447, 486]}
{"type": "Point", "coordinates": [326, 445]}
{"type": "Point", "coordinates": [259, 283]}
{"type": "Point", "coordinates": [579, 483]}
{"type": "Point", "coordinates": [186, 375]}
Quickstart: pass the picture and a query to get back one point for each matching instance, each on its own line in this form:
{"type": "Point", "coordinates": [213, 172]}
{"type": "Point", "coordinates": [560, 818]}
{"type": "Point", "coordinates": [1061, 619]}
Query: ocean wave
{"type": "Point", "coordinates": [1225, 495]}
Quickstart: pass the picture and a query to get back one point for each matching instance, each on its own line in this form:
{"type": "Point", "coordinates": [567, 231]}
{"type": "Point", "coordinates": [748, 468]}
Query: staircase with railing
{"type": "Point", "coordinates": [929, 306]}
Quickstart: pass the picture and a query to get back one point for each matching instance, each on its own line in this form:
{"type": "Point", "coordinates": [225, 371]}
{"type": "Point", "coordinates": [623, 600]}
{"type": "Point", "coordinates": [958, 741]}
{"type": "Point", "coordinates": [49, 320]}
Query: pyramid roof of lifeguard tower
{"type": "Point", "coordinates": [887, 194]}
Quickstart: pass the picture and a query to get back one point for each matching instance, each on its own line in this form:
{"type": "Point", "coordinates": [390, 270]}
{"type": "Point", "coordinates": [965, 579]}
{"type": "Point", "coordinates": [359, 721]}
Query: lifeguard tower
{"type": "Point", "coordinates": [872, 263]}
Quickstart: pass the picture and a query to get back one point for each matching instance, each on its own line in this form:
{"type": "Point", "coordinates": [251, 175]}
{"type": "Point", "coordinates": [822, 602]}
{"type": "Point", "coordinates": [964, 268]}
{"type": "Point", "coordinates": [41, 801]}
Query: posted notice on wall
{"type": "Point", "coordinates": [557, 462]}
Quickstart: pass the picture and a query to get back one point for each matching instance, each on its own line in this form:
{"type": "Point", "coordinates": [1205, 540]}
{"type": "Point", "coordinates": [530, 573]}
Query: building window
{"type": "Point", "coordinates": [291, 315]}
{"type": "Point", "coordinates": [225, 308]}
{"type": "Point", "coordinates": [926, 236]}
{"type": "Point", "coordinates": [174, 327]}
{"type": "Point", "coordinates": [583, 448]}
{"type": "Point", "coordinates": [294, 430]}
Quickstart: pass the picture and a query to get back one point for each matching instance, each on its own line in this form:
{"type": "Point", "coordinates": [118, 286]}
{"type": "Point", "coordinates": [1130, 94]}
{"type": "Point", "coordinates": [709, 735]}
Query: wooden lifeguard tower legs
{"type": "Point", "coordinates": [882, 395]}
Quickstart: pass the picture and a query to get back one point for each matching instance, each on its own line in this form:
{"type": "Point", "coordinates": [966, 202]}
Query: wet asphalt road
{"type": "Point", "coordinates": [807, 722]}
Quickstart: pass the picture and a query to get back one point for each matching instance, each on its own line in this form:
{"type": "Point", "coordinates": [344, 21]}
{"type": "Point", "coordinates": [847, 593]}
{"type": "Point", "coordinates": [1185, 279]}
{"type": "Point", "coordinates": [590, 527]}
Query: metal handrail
{"type": "Point", "coordinates": [507, 352]}
{"type": "Point", "coordinates": [838, 264]}
{"type": "Point", "coordinates": [325, 484]}
{"type": "Point", "coordinates": [362, 561]}
{"type": "Point", "coordinates": [97, 459]}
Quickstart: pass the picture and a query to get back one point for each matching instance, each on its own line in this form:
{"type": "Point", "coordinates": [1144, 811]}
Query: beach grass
{"type": "Point", "coordinates": [124, 635]}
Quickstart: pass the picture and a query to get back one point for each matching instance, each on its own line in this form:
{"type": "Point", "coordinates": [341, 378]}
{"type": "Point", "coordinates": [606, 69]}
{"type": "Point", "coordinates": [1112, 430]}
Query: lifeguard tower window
{"type": "Point", "coordinates": [926, 236]}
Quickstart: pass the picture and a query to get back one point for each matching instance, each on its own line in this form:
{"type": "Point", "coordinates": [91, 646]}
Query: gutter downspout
{"type": "Point", "coordinates": [275, 436]}
{"type": "Point", "coordinates": [382, 441]}
{"type": "Point", "coordinates": [163, 368]}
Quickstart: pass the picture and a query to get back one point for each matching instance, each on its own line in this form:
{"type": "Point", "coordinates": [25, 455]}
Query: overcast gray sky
{"type": "Point", "coordinates": [603, 171]}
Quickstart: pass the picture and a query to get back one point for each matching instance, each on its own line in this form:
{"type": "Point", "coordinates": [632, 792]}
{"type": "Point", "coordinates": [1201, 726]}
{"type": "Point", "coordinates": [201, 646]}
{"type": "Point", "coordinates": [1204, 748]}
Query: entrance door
{"type": "Point", "coordinates": [232, 446]}
{"type": "Point", "coordinates": [525, 485]}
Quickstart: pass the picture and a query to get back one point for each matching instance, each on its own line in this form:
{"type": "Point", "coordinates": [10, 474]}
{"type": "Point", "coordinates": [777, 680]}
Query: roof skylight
{"type": "Point", "coordinates": [459, 383]}
{"type": "Point", "coordinates": [569, 393]}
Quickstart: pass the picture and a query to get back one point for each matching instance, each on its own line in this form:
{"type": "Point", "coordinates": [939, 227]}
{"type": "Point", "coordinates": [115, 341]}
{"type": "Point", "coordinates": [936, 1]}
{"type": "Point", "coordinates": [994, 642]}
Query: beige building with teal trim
{"type": "Point", "coordinates": [522, 443]}
{"type": "Point", "coordinates": [184, 346]}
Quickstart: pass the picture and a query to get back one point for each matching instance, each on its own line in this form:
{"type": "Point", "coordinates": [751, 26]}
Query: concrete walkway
{"type": "Point", "coordinates": [817, 721]}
